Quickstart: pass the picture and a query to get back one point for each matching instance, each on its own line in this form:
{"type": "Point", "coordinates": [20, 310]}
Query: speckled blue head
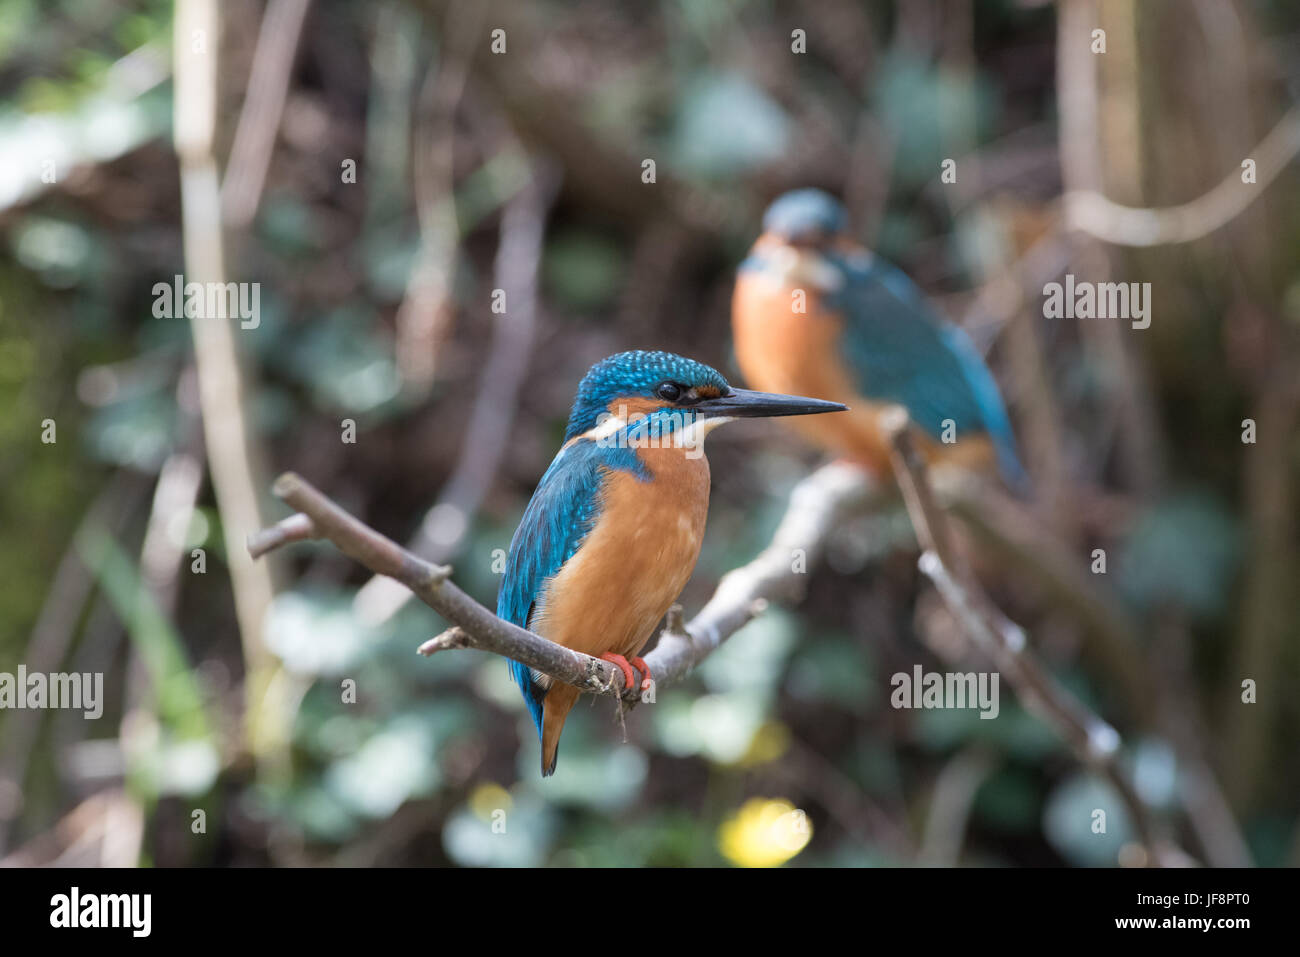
{"type": "Point", "coordinates": [805, 215]}
{"type": "Point", "coordinates": [637, 374]}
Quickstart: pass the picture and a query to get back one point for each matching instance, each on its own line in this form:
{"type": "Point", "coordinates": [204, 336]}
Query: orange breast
{"type": "Point", "coordinates": [781, 350]}
{"type": "Point", "coordinates": [610, 595]}
{"type": "Point", "coordinates": [635, 561]}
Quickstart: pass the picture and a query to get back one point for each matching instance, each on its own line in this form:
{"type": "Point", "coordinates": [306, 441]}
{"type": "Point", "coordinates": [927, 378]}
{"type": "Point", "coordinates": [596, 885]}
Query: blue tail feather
{"type": "Point", "coordinates": [533, 693]}
{"type": "Point", "coordinates": [993, 414]}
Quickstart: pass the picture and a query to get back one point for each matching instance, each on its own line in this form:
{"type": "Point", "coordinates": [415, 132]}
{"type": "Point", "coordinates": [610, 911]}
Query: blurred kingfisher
{"type": "Point", "coordinates": [613, 531]}
{"type": "Point", "coordinates": [816, 313]}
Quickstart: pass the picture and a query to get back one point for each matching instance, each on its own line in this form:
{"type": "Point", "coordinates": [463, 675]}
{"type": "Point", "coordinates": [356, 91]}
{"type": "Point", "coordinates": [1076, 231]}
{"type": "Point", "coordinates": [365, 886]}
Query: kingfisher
{"type": "Point", "coordinates": [815, 312]}
{"type": "Point", "coordinates": [614, 529]}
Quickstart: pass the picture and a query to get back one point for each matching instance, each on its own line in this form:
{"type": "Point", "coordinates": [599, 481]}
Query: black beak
{"type": "Point", "coordinates": [742, 403]}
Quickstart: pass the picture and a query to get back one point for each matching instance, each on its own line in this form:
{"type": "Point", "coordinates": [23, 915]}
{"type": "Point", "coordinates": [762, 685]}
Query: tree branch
{"type": "Point", "coordinates": [259, 118]}
{"type": "Point", "coordinates": [1094, 741]}
{"type": "Point", "coordinates": [816, 506]}
{"type": "Point", "coordinates": [1093, 213]}
{"type": "Point", "coordinates": [233, 455]}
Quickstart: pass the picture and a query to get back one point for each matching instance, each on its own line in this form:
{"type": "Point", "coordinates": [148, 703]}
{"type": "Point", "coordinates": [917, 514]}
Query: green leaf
{"type": "Point", "coordinates": [583, 269]}
{"type": "Point", "coordinates": [347, 365]}
{"type": "Point", "coordinates": [1014, 731]}
{"type": "Point", "coordinates": [726, 126]}
{"type": "Point", "coordinates": [1182, 551]}
{"type": "Point", "coordinates": [924, 108]}
{"type": "Point", "coordinates": [317, 633]}
{"type": "Point", "coordinates": [837, 671]}
{"type": "Point", "coordinates": [754, 658]}
{"type": "Point", "coordinates": [137, 432]}
{"type": "Point", "coordinates": [393, 766]}
{"type": "Point", "coordinates": [720, 727]}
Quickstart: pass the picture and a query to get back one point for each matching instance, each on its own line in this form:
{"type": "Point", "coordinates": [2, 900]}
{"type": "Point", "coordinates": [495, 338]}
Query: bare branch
{"type": "Point", "coordinates": [1093, 213]}
{"type": "Point", "coordinates": [431, 584]}
{"type": "Point", "coordinates": [1094, 742]}
{"type": "Point", "coordinates": [453, 637]}
{"type": "Point", "coordinates": [816, 506]}
{"type": "Point", "coordinates": [295, 528]}
{"type": "Point", "coordinates": [259, 119]}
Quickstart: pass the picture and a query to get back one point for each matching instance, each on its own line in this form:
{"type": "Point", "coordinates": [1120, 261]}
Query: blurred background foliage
{"type": "Point", "coordinates": [375, 306]}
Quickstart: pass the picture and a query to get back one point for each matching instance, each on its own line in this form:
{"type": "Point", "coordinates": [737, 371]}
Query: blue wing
{"type": "Point", "coordinates": [561, 513]}
{"type": "Point", "coordinates": [903, 352]}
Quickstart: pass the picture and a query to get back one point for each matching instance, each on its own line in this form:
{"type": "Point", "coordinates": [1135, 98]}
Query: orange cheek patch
{"type": "Point", "coordinates": [632, 406]}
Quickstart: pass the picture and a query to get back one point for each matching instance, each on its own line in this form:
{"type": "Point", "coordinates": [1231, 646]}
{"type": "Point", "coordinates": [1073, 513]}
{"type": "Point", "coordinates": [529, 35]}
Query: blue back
{"type": "Point", "coordinates": [902, 351]}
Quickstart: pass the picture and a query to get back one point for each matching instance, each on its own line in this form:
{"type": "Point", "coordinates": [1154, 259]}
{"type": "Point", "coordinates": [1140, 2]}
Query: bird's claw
{"type": "Point", "coordinates": [629, 677]}
{"type": "Point", "coordinates": [640, 665]}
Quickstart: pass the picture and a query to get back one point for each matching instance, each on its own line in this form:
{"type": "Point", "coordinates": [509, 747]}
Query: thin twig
{"type": "Point", "coordinates": [259, 119]}
{"type": "Point", "coordinates": [295, 528]}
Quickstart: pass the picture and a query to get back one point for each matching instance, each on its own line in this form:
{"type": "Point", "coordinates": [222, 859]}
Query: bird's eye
{"type": "Point", "coordinates": [669, 391]}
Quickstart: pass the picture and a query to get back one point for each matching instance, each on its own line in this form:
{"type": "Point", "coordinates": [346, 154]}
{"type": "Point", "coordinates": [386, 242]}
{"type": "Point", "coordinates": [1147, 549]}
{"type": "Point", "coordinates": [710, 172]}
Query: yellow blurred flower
{"type": "Point", "coordinates": [764, 832]}
{"type": "Point", "coordinates": [487, 798]}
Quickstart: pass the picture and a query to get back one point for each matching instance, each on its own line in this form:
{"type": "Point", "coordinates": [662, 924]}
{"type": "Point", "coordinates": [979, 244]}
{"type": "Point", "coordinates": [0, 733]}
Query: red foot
{"type": "Point", "coordinates": [628, 680]}
{"type": "Point", "coordinates": [629, 677]}
{"type": "Point", "coordinates": [640, 665]}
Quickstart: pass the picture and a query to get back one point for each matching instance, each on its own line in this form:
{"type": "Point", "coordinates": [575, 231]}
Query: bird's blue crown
{"type": "Point", "coordinates": [629, 374]}
{"type": "Point", "coordinates": [805, 213]}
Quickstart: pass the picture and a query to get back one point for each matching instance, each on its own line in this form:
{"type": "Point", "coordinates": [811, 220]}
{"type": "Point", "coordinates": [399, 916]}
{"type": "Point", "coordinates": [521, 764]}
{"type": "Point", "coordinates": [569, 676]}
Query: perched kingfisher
{"type": "Point", "coordinates": [613, 531]}
{"type": "Point", "coordinates": [816, 313]}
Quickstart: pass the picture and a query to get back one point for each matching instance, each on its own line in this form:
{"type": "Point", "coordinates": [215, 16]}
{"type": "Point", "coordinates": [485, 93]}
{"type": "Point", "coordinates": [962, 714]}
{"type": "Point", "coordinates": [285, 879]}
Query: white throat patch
{"type": "Point", "coordinates": [692, 436]}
